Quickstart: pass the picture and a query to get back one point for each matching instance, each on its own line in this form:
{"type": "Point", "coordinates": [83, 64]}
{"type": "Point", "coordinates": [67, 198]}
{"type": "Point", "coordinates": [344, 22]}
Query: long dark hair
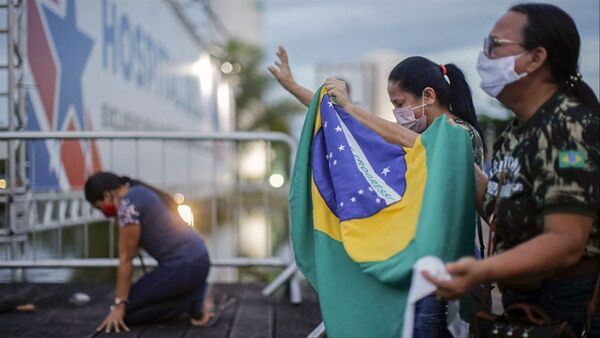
{"type": "Point", "coordinates": [416, 73]}
{"type": "Point", "coordinates": [103, 181]}
{"type": "Point", "coordinates": [552, 28]}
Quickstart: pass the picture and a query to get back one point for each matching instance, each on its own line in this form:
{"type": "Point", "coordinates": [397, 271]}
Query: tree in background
{"type": "Point", "coordinates": [253, 111]}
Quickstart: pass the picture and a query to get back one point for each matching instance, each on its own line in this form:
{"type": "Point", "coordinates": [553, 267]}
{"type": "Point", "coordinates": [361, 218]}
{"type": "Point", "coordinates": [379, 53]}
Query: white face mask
{"type": "Point", "coordinates": [495, 74]}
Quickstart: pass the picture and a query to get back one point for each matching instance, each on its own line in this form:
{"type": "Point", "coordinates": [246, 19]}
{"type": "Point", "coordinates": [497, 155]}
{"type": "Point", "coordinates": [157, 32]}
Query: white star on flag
{"type": "Point", "coordinates": [370, 189]}
{"type": "Point", "coordinates": [334, 162]}
{"type": "Point", "coordinates": [325, 124]}
{"type": "Point", "coordinates": [338, 129]}
{"type": "Point", "coordinates": [341, 204]}
{"type": "Point", "coordinates": [353, 199]}
{"type": "Point", "coordinates": [341, 147]}
{"type": "Point", "coordinates": [386, 171]}
{"type": "Point", "coordinates": [360, 192]}
{"type": "Point", "coordinates": [327, 156]}
{"type": "Point", "coordinates": [378, 200]}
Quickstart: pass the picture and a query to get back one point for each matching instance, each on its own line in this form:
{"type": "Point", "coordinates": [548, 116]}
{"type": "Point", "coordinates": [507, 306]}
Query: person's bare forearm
{"type": "Point", "coordinates": [124, 273]}
{"type": "Point", "coordinates": [390, 131]}
{"type": "Point", "coordinates": [532, 258]}
{"type": "Point", "coordinates": [303, 94]}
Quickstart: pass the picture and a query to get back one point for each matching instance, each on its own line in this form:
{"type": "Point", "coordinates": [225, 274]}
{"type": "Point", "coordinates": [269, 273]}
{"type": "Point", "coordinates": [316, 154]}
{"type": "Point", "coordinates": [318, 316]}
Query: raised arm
{"type": "Point", "coordinates": [282, 72]}
{"type": "Point", "coordinates": [390, 131]}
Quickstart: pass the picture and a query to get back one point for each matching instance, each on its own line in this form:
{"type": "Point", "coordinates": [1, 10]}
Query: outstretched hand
{"type": "Point", "coordinates": [281, 70]}
{"type": "Point", "coordinates": [114, 321]}
{"type": "Point", "coordinates": [338, 89]}
{"type": "Point", "coordinates": [465, 272]}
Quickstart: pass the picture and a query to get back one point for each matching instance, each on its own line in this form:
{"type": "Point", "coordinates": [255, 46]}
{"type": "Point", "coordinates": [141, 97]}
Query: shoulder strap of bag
{"type": "Point", "coordinates": [591, 308]}
{"type": "Point", "coordinates": [486, 290]}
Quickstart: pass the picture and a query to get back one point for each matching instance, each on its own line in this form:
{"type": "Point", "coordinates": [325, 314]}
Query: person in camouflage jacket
{"type": "Point", "coordinates": [549, 165]}
{"type": "Point", "coordinates": [543, 194]}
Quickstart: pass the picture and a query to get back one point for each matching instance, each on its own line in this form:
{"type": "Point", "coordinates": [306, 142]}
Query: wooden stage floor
{"type": "Point", "coordinates": [251, 315]}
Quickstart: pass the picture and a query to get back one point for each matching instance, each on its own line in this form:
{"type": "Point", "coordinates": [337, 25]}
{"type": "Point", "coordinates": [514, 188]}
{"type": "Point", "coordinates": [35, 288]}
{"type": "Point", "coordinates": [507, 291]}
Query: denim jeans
{"type": "Point", "coordinates": [166, 292]}
{"type": "Point", "coordinates": [430, 318]}
{"type": "Point", "coordinates": [566, 299]}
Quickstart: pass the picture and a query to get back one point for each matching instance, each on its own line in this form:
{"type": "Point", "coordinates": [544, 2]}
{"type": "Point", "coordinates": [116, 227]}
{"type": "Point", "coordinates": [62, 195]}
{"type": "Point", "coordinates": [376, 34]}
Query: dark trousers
{"type": "Point", "coordinates": [431, 315]}
{"type": "Point", "coordinates": [166, 292]}
{"type": "Point", "coordinates": [566, 299]}
{"type": "Point", "coordinates": [430, 318]}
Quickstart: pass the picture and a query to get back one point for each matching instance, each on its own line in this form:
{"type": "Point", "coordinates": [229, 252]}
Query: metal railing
{"type": "Point", "coordinates": [34, 212]}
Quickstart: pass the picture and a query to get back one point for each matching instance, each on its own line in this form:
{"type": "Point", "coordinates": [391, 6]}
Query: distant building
{"type": "Point", "coordinates": [241, 19]}
{"type": "Point", "coordinates": [367, 80]}
{"type": "Point", "coordinates": [219, 21]}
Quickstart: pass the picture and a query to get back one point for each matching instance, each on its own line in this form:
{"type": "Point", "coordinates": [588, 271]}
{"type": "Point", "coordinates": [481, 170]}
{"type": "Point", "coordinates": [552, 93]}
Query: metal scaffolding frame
{"type": "Point", "coordinates": [14, 33]}
{"type": "Point", "coordinates": [12, 99]}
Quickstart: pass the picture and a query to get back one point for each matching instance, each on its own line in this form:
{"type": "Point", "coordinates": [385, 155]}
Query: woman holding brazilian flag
{"type": "Point", "coordinates": [359, 198]}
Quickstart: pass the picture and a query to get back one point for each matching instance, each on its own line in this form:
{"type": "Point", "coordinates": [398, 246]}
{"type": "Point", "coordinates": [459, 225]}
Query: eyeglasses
{"type": "Point", "coordinates": [489, 43]}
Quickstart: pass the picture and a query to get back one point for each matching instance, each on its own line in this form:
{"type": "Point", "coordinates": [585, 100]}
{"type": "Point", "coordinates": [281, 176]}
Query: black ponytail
{"type": "Point", "coordinates": [103, 181]}
{"type": "Point", "coordinates": [585, 95]}
{"type": "Point", "coordinates": [416, 73]}
{"type": "Point", "coordinates": [461, 101]}
{"type": "Point", "coordinates": [552, 28]}
{"type": "Point", "coordinates": [164, 196]}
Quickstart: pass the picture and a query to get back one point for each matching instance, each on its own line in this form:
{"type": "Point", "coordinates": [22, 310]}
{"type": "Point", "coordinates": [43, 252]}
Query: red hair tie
{"type": "Point", "coordinates": [443, 67]}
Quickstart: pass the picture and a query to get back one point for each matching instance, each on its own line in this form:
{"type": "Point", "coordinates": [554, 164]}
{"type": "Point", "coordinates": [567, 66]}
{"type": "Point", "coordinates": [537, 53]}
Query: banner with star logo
{"type": "Point", "coordinates": [364, 211]}
{"type": "Point", "coordinates": [111, 65]}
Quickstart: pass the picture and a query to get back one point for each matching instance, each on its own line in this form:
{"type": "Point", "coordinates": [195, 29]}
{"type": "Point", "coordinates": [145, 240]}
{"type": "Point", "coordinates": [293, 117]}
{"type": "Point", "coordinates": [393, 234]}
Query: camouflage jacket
{"type": "Point", "coordinates": [550, 164]}
{"type": "Point", "coordinates": [476, 141]}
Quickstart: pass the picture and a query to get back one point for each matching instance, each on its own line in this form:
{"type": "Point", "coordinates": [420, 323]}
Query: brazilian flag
{"type": "Point", "coordinates": [364, 211]}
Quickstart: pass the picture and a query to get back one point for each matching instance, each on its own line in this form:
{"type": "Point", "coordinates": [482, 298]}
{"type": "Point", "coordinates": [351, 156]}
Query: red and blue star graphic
{"type": "Point", "coordinates": [57, 59]}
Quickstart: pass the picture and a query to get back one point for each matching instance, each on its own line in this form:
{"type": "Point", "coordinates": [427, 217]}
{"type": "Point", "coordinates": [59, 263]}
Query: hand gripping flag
{"type": "Point", "coordinates": [364, 211]}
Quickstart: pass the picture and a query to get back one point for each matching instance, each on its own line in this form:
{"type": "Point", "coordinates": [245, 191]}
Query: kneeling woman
{"type": "Point", "coordinates": [146, 218]}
